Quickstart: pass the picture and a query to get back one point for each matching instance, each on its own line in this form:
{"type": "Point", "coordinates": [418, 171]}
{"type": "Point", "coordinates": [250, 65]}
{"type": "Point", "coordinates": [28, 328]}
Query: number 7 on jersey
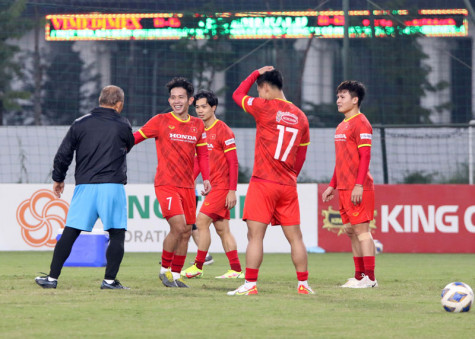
{"type": "Point", "coordinates": [278, 150]}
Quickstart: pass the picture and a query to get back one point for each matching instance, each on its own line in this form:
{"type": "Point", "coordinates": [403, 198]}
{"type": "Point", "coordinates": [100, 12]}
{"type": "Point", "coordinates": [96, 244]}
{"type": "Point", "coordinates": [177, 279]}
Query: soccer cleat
{"type": "Point", "coordinates": [116, 285]}
{"type": "Point", "coordinates": [45, 283]}
{"type": "Point", "coordinates": [351, 283]}
{"type": "Point", "coordinates": [167, 279]}
{"type": "Point", "coordinates": [180, 283]}
{"type": "Point", "coordinates": [366, 282]}
{"type": "Point", "coordinates": [231, 274]}
{"type": "Point", "coordinates": [208, 260]}
{"type": "Point", "coordinates": [243, 290]}
{"type": "Point", "coordinates": [305, 290]}
{"type": "Point", "coordinates": [192, 272]}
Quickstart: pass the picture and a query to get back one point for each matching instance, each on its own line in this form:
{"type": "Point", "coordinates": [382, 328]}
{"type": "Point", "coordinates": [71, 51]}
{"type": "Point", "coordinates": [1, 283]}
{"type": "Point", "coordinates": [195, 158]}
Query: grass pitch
{"type": "Point", "coordinates": [406, 305]}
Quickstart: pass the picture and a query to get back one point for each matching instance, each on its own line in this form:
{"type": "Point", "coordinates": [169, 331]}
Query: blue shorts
{"type": "Point", "coordinates": [92, 201]}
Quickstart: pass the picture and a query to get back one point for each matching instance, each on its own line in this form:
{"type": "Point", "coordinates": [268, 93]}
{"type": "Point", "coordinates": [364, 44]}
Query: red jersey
{"type": "Point", "coordinates": [220, 141]}
{"type": "Point", "coordinates": [281, 128]}
{"type": "Point", "coordinates": [350, 135]}
{"type": "Point", "coordinates": [176, 141]}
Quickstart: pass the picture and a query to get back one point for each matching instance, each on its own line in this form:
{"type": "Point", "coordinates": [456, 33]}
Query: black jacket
{"type": "Point", "coordinates": [101, 140]}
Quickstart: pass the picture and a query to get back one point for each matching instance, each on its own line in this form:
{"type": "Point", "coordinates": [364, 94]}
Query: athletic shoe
{"type": "Point", "coordinates": [208, 260]}
{"type": "Point", "coordinates": [366, 282]}
{"type": "Point", "coordinates": [351, 283]}
{"type": "Point", "coordinates": [167, 279]}
{"type": "Point", "coordinates": [45, 283]}
{"type": "Point", "coordinates": [116, 285]}
{"type": "Point", "coordinates": [192, 272]}
{"type": "Point", "coordinates": [243, 290]}
{"type": "Point", "coordinates": [180, 283]}
{"type": "Point", "coordinates": [231, 274]}
{"type": "Point", "coordinates": [305, 290]}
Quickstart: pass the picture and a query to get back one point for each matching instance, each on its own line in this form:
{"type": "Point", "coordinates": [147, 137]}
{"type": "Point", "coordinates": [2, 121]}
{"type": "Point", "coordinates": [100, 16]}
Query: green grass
{"type": "Point", "coordinates": [406, 305]}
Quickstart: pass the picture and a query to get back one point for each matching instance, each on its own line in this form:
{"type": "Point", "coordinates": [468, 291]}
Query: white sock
{"type": "Point", "coordinates": [109, 281]}
{"type": "Point", "coordinates": [51, 279]}
{"type": "Point", "coordinates": [163, 270]}
{"type": "Point", "coordinates": [304, 283]}
{"type": "Point", "coordinates": [176, 275]}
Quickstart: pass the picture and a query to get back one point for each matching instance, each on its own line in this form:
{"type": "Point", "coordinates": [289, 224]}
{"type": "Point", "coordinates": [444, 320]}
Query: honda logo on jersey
{"type": "Point", "coordinates": [182, 137]}
{"type": "Point", "coordinates": [287, 117]}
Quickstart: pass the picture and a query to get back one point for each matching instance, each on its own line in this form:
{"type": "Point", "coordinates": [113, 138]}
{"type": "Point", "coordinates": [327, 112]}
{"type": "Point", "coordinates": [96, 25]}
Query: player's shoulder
{"type": "Point", "coordinates": [288, 112]}
{"type": "Point", "coordinates": [253, 101]}
{"type": "Point", "coordinates": [222, 125]}
{"type": "Point", "coordinates": [362, 119]}
{"type": "Point", "coordinates": [196, 121]}
{"type": "Point", "coordinates": [161, 116]}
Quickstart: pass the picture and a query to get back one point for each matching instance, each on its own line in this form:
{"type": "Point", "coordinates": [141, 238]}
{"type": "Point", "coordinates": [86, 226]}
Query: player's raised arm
{"type": "Point", "coordinates": [246, 85]}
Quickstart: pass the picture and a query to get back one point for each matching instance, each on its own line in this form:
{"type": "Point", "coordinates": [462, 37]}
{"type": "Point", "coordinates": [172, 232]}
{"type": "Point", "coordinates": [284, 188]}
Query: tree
{"type": "Point", "coordinates": [61, 103]}
{"type": "Point", "coordinates": [12, 26]}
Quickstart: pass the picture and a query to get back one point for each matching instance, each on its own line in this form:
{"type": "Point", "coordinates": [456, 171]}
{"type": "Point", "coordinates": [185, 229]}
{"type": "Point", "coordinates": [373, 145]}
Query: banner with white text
{"type": "Point", "coordinates": [409, 219]}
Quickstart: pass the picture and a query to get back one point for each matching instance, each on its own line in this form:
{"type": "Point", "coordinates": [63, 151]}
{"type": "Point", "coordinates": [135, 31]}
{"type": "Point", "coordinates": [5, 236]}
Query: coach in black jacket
{"type": "Point", "coordinates": [101, 140]}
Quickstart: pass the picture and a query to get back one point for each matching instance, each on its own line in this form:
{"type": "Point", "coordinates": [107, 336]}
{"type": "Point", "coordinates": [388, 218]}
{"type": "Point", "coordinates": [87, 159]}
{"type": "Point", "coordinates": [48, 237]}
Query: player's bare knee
{"type": "Point", "coordinates": [349, 230]}
{"type": "Point", "coordinates": [364, 236]}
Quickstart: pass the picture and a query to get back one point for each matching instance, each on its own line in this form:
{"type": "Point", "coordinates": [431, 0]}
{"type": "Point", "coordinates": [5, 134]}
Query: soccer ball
{"type": "Point", "coordinates": [457, 297]}
{"type": "Point", "coordinates": [378, 246]}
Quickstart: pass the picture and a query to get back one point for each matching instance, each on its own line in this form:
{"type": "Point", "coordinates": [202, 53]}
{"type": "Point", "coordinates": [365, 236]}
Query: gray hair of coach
{"type": "Point", "coordinates": [110, 95]}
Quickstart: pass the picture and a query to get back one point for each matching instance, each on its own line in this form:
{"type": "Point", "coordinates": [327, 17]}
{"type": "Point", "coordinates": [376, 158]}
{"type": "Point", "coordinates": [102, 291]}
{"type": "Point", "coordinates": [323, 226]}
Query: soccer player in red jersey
{"type": "Point", "coordinates": [222, 198]}
{"type": "Point", "coordinates": [353, 181]}
{"type": "Point", "coordinates": [282, 137]}
{"type": "Point", "coordinates": [178, 137]}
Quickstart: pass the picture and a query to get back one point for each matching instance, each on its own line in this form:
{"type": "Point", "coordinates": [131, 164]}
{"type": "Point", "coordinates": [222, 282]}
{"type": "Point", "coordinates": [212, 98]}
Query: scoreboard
{"type": "Point", "coordinates": [257, 25]}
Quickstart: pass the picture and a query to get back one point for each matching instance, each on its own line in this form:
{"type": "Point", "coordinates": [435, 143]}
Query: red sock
{"type": "Point", "coordinates": [200, 258]}
{"type": "Point", "coordinates": [369, 264]}
{"type": "Point", "coordinates": [178, 263]}
{"type": "Point", "coordinates": [359, 267]}
{"type": "Point", "coordinates": [234, 260]}
{"type": "Point", "coordinates": [167, 258]}
{"type": "Point", "coordinates": [251, 274]}
{"type": "Point", "coordinates": [302, 276]}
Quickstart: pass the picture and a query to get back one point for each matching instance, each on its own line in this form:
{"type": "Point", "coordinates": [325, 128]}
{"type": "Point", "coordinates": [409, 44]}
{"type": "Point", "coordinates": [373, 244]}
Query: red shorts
{"type": "Point", "coordinates": [177, 200]}
{"type": "Point", "coordinates": [272, 203]}
{"type": "Point", "coordinates": [356, 214]}
{"type": "Point", "coordinates": [213, 206]}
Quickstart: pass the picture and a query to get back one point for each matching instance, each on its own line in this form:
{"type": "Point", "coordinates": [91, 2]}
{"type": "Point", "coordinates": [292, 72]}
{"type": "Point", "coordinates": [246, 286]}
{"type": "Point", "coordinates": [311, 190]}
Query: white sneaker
{"type": "Point", "coordinates": [351, 283]}
{"type": "Point", "coordinates": [366, 282]}
{"type": "Point", "coordinates": [244, 290]}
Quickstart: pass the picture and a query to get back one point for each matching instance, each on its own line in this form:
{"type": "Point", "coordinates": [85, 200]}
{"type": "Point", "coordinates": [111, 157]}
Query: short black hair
{"type": "Point", "coordinates": [183, 83]}
{"type": "Point", "coordinates": [210, 97]}
{"type": "Point", "coordinates": [355, 88]}
{"type": "Point", "coordinates": [273, 78]}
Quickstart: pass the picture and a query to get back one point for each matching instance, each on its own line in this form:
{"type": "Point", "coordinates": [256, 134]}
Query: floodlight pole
{"type": "Point", "coordinates": [346, 39]}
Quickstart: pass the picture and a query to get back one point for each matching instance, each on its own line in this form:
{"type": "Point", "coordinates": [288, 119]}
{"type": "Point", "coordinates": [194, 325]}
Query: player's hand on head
{"type": "Point", "coordinates": [230, 200]}
{"type": "Point", "coordinates": [206, 187]}
{"type": "Point", "coordinates": [264, 69]}
{"type": "Point", "coordinates": [328, 194]}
